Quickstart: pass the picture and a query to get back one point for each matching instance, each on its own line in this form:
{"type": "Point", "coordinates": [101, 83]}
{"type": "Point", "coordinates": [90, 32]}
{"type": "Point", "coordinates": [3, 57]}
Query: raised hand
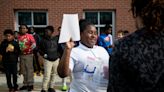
{"type": "Point", "coordinates": [70, 44]}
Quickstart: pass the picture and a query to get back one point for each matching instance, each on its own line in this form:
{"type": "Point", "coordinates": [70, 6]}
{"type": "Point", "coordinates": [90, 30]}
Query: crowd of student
{"type": "Point", "coordinates": [25, 47]}
{"type": "Point", "coordinates": [133, 63]}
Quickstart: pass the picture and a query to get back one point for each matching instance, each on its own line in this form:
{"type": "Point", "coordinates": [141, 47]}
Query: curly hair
{"type": "Point", "coordinates": [151, 12]}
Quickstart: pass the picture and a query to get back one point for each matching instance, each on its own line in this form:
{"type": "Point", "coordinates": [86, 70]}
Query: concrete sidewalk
{"type": "Point", "coordinates": [37, 83]}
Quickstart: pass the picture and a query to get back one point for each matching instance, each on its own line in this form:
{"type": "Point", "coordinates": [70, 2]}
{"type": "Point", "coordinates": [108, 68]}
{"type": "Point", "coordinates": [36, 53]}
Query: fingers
{"type": "Point", "coordinates": [70, 45]}
{"type": "Point", "coordinates": [9, 49]}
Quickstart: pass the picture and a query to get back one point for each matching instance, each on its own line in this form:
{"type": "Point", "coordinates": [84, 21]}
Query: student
{"type": "Point", "coordinates": [137, 60]}
{"type": "Point", "coordinates": [105, 39]}
{"type": "Point", "coordinates": [49, 51]}
{"type": "Point", "coordinates": [36, 63]}
{"type": "Point", "coordinates": [87, 62]}
{"type": "Point", "coordinates": [9, 49]}
{"type": "Point", "coordinates": [27, 44]}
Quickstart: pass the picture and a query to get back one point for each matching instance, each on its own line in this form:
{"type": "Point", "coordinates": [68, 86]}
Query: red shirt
{"type": "Point", "coordinates": [25, 43]}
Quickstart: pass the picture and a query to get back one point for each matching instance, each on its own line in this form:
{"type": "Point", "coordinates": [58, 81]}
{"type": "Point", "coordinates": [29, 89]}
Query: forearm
{"type": "Point", "coordinates": [33, 45]}
{"type": "Point", "coordinates": [63, 67]}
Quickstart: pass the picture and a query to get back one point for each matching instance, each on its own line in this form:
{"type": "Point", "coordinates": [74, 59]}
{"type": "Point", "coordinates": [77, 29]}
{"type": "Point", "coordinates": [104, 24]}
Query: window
{"type": "Point", "coordinates": [40, 18]}
{"type": "Point", "coordinates": [100, 18]}
{"type": "Point", "coordinates": [24, 18]}
{"type": "Point", "coordinates": [37, 19]}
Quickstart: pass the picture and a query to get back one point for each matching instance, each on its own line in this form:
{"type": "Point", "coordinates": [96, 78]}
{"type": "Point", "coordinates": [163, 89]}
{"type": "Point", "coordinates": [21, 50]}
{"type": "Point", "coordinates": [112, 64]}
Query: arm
{"type": "Point", "coordinates": [42, 48]}
{"type": "Point", "coordinates": [103, 44]}
{"type": "Point", "coordinates": [33, 42]}
{"type": "Point", "coordinates": [100, 41]}
{"type": "Point", "coordinates": [1, 51]}
{"type": "Point", "coordinates": [17, 49]}
{"type": "Point", "coordinates": [122, 77]}
{"type": "Point", "coordinates": [114, 70]}
{"type": "Point", "coordinates": [63, 66]}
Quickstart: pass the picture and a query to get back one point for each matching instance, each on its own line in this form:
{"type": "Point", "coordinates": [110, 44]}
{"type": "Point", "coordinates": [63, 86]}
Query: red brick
{"type": "Point", "coordinates": [56, 8]}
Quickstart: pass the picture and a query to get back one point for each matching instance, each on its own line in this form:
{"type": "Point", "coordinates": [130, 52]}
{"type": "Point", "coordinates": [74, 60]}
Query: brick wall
{"type": "Point", "coordinates": [56, 8]}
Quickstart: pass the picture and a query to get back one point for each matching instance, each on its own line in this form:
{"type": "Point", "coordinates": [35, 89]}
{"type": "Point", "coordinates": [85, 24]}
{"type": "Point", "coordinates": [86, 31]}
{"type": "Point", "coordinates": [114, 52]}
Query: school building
{"type": "Point", "coordinates": [40, 13]}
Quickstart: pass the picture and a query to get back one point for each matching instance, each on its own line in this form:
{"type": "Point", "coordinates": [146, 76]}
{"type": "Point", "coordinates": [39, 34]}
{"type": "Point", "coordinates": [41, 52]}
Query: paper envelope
{"type": "Point", "coordinates": [69, 28]}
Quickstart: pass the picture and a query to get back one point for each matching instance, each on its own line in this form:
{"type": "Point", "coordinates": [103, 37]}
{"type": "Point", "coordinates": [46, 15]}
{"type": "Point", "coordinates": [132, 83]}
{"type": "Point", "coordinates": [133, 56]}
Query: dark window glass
{"type": "Point", "coordinates": [105, 17]}
{"type": "Point", "coordinates": [24, 18]}
{"type": "Point", "coordinates": [40, 31]}
{"type": "Point", "coordinates": [40, 18]}
{"type": "Point", "coordinates": [92, 17]}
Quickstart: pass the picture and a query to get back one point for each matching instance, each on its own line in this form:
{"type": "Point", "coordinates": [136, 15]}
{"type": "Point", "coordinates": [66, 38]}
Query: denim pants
{"type": "Point", "coordinates": [27, 69]}
{"type": "Point", "coordinates": [50, 71]}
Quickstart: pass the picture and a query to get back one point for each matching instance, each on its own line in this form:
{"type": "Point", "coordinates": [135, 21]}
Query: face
{"type": "Point", "coordinates": [48, 32]}
{"type": "Point", "coordinates": [120, 35]}
{"type": "Point", "coordinates": [23, 29]}
{"type": "Point", "coordinates": [109, 31]}
{"type": "Point", "coordinates": [31, 30]}
{"type": "Point", "coordinates": [9, 37]}
{"type": "Point", "coordinates": [89, 36]}
{"type": "Point", "coordinates": [15, 34]}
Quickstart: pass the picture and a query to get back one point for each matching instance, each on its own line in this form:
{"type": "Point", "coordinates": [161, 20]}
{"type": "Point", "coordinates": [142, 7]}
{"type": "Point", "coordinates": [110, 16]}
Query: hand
{"type": "Point", "coordinates": [45, 56]}
{"type": "Point", "coordinates": [70, 44]}
{"type": "Point", "coordinates": [110, 46]}
{"type": "Point", "coordinates": [8, 49]}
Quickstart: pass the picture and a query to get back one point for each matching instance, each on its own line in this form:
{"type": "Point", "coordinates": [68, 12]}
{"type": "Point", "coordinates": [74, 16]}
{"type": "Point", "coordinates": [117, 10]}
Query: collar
{"type": "Point", "coordinates": [85, 47]}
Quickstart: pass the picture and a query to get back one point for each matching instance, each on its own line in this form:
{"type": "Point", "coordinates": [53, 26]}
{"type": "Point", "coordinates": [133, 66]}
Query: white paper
{"type": "Point", "coordinates": [69, 28]}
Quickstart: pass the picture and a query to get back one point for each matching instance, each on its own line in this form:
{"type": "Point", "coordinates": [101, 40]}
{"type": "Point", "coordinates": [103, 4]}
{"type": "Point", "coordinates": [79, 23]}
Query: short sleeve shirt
{"type": "Point", "coordinates": [85, 64]}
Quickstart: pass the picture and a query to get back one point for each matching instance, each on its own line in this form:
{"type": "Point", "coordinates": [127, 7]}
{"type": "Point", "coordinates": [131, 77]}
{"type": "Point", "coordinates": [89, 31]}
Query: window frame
{"type": "Point", "coordinates": [32, 18]}
{"type": "Point", "coordinates": [102, 25]}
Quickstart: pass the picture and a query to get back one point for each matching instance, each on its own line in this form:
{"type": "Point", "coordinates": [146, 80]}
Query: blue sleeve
{"type": "Point", "coordinates": [100, 41]}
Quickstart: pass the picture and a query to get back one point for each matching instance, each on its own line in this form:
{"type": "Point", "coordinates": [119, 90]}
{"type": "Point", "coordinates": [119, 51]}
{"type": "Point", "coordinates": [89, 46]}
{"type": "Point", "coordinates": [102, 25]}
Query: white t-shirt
{"type": "Point", "coordinates": [89, 68]}
{"type": "Point", "coordinates": [111, 39]}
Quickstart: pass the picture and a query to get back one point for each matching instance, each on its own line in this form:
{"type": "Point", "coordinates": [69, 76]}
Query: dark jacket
{"type": "Point", "coordinates": [9, 57]}
{"type": "Point", "coordinates": [49, 46]}
{"type": "Point", "coordinates": [137, 63]}
{"type": "Point", "coordinates": [37, 40]}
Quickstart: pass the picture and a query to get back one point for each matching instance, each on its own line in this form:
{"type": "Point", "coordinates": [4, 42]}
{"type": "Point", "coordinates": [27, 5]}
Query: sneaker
{"type": "Point", "coordinates": [51, 90]}
{"type": "Point", "coordinates": [23, 88]}
{"type": "Point", "coordinates": [64, 88]}
{"type": "Point", "coordinates": [42, 90]}
{"type": "Point", "coordinates": [11, 89]}
{"type": "Point", "coordinates": [16, 88]}
{"type": "Point", "coordinates": [30, 88]}
{"type": "Point", "coordinates": [34, 74]}
{"type": "Point", "coordinates": [39, 74]}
